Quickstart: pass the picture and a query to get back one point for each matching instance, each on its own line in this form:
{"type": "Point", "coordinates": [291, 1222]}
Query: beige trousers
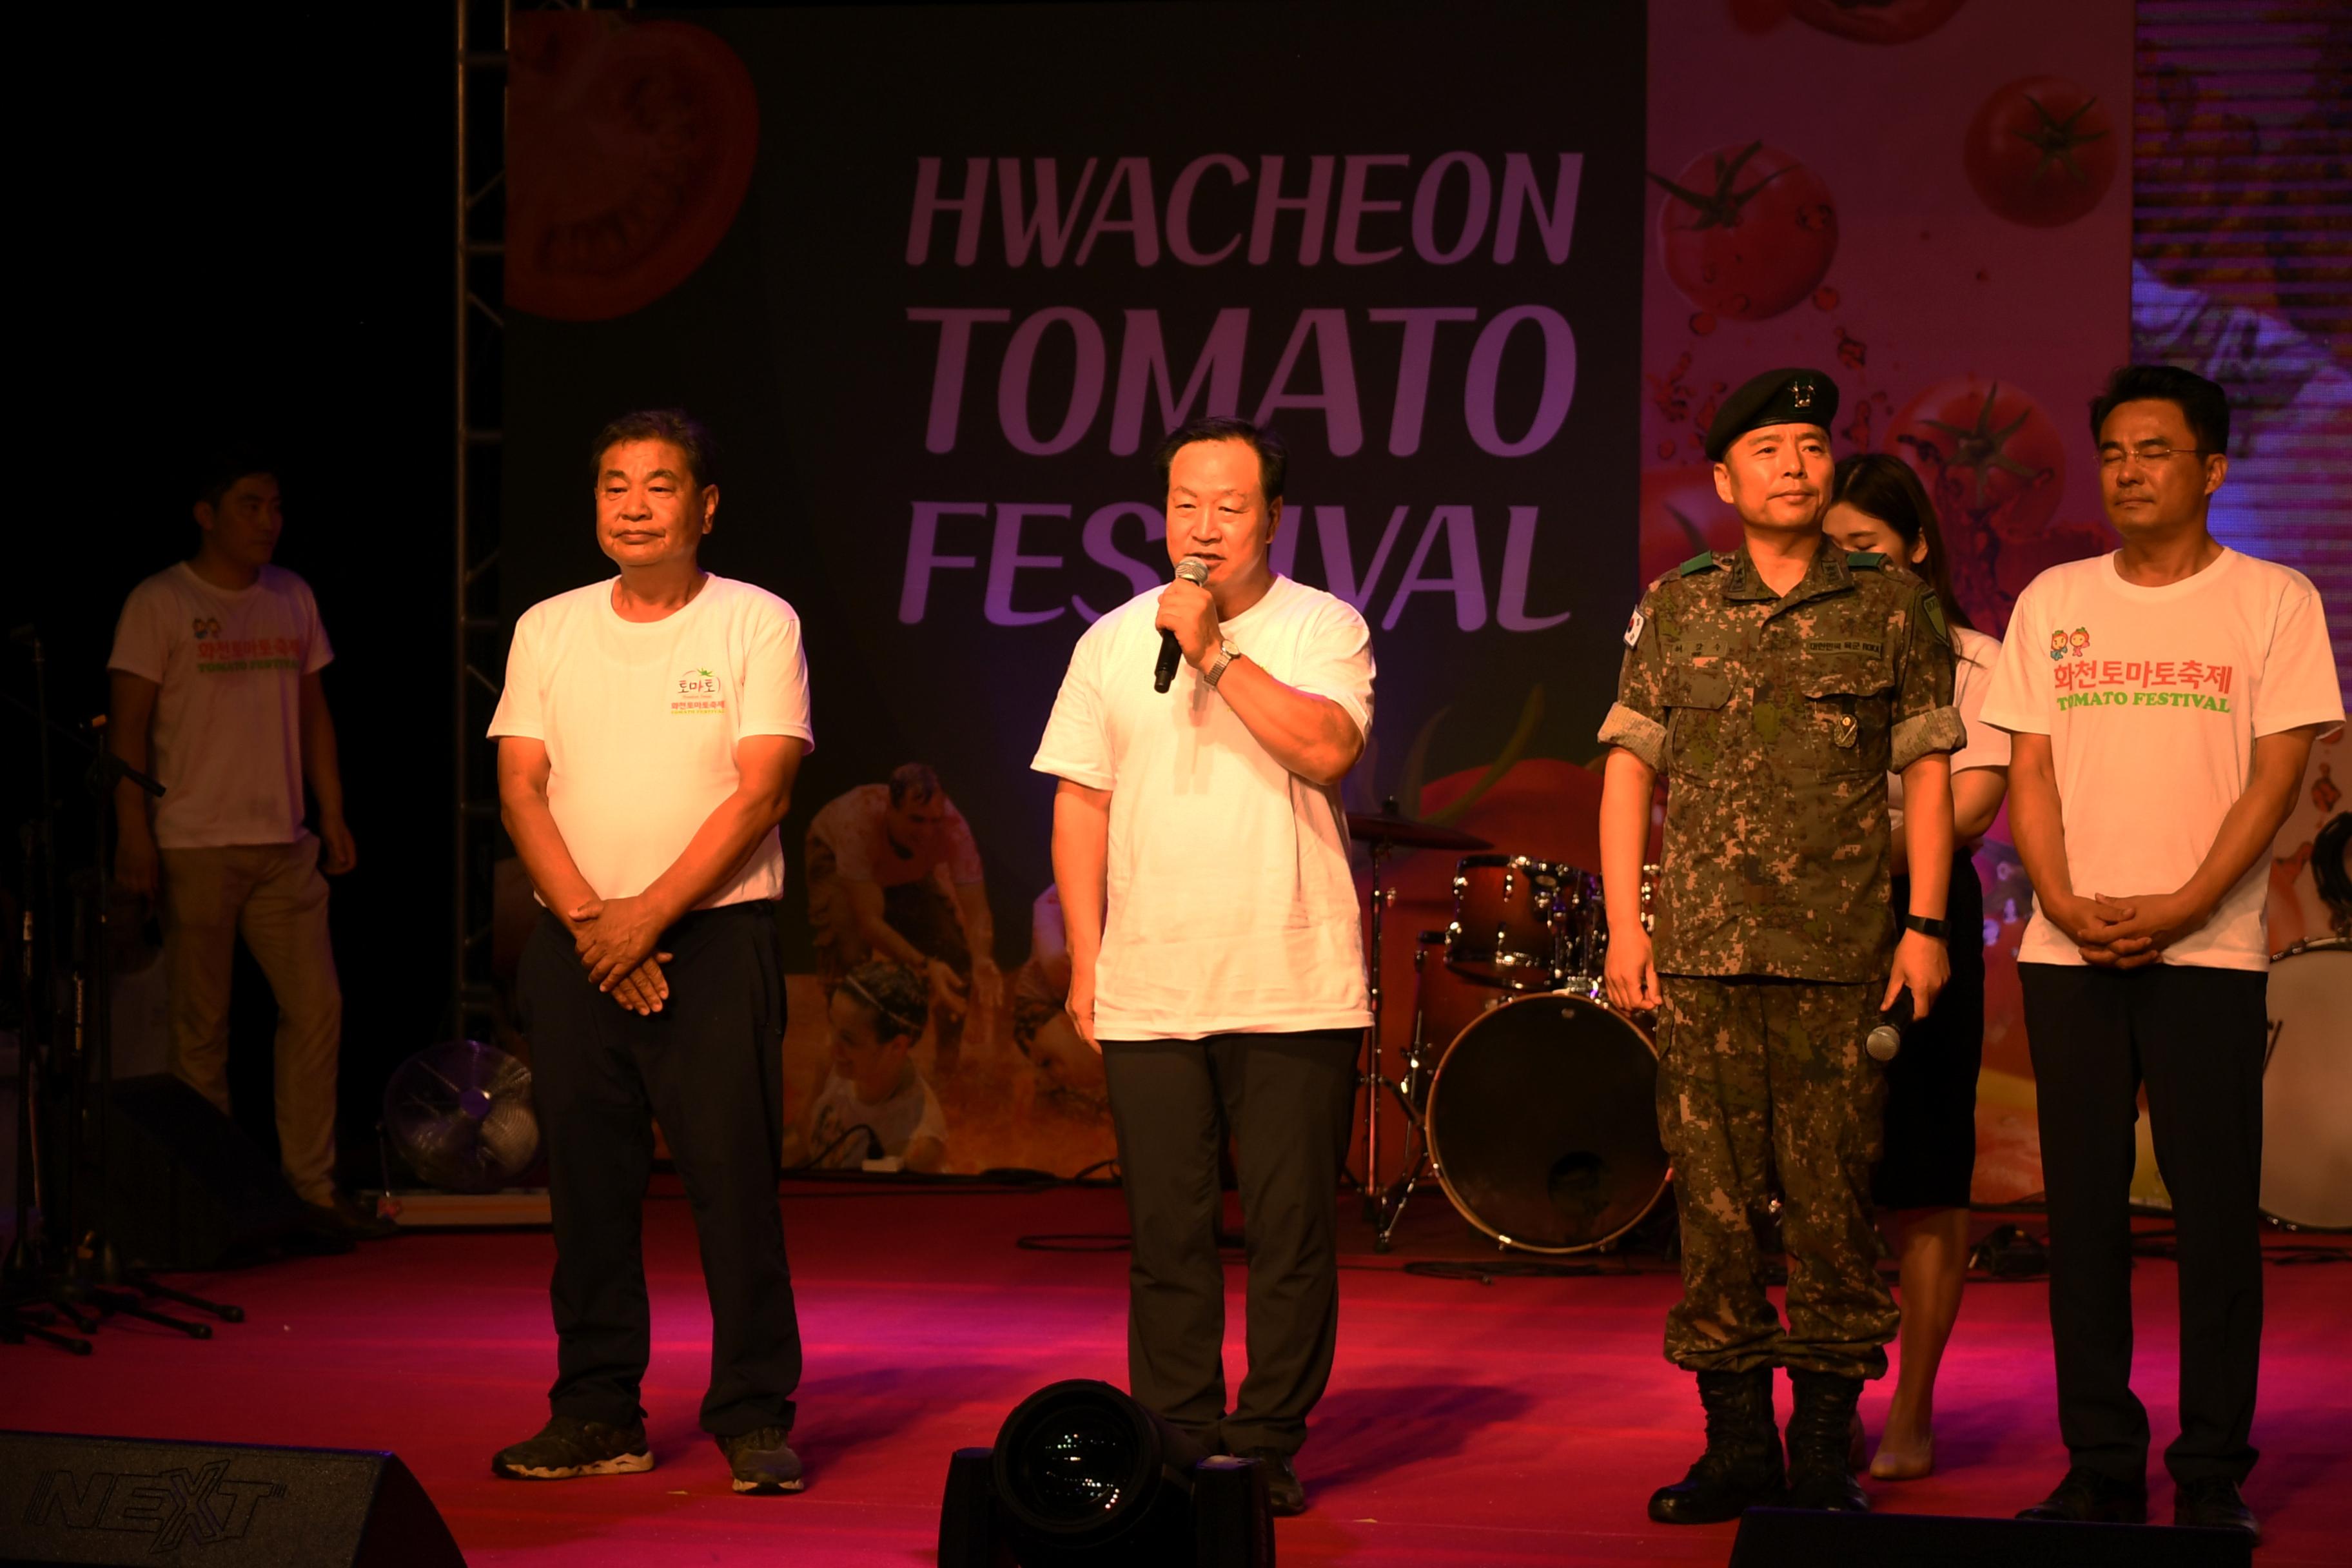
{"type": "Point", "coordinates": [272, 895]}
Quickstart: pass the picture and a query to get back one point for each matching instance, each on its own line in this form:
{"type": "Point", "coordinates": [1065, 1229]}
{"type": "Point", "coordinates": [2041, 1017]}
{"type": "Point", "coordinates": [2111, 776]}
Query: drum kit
{"type": "Point", "coordinates": [1523, 1094]}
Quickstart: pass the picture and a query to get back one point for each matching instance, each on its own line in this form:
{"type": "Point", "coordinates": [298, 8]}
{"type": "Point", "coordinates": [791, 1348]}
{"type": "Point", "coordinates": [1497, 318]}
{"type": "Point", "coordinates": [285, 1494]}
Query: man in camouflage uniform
{"type": "Point", "coordinates": [1776, 688]}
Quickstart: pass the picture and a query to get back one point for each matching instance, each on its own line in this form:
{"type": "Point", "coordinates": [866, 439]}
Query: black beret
{"type": "Point", "coordinates": [1793, 396]}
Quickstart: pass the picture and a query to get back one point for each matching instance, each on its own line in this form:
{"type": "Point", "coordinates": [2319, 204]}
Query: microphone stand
{"type": "Point", "coordinates": [70, 1268]}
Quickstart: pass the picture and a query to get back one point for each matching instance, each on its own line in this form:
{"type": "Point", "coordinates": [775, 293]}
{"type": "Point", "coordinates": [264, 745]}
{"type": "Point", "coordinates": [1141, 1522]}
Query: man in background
{"type": "Point", "coordinates": [215, 690]}
{"type": "Point", "coordinates": [893, 872]}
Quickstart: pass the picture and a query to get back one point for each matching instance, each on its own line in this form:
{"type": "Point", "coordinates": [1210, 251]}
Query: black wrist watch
{"type": "Point", "coordinates": [1940, 929]}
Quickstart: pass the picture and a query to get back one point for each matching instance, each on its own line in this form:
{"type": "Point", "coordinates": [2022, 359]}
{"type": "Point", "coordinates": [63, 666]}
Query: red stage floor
{"type": "Point", "coordinates": [1520, 1422]}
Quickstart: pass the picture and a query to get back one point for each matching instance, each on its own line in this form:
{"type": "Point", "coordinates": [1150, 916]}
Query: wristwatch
{"type": "Point", "coordinates": [1940, 929]}
{"type": "Point", "coordinates": [1226, 654]}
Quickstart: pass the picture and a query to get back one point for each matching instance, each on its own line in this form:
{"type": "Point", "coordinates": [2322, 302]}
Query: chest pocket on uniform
{"type": "Point", "coordinates": [1849, 706]}
{"type": "Point", "coordinates": [1694, 703]}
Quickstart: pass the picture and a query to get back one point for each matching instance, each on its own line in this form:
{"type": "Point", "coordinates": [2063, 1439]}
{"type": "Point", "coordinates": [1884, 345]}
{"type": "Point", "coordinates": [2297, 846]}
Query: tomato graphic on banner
{"type": "Point", "coordinates": [1875, 21]}
{"type": "Point", "coordinates": [1746, 232]}
{"type": "Point", "coordinates": [2040, 152]}
{"type": "Point", "coordinates": [632, 149]}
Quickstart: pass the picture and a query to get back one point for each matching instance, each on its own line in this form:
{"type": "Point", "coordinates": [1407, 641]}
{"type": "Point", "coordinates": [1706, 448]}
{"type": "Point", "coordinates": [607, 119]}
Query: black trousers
{"type": "Point", "coordinates": [1285, 1100]}
{"type": "Point", "coordinates": [2196, 1039]}
{"type": "Point", "coordinates": [710, 1066]}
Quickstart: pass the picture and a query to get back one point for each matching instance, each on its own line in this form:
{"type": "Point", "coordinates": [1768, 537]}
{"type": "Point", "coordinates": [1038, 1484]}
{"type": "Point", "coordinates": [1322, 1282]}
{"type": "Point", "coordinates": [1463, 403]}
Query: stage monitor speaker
{"type": "Point", "coordinates": [1801, 1538]}
{"type": "Point", "coordinates": [184, 1187]}
{"type": "Point", "coordinates": [128, 1500]}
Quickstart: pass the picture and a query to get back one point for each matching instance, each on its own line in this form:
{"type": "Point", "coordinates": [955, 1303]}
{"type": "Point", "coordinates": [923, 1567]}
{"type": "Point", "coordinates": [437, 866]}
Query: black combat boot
{"type": "Point", "coordinates": [1820, 1442]}
{"type": "Point", "coordinates": [1742, 1468]}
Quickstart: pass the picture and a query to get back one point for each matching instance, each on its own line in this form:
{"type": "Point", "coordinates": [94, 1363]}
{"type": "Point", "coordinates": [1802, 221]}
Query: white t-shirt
{"type": "Point", "coordinates": [2152, 699]}
{"type": "Point", "coordinates": [1232, 908]}
{"type": "Point", "coordinates": [1975, 653]}
{"type": "Point", "coordinates": [640, 720]}
{"type": "Point", "coordinates": [912, 1111]}
{"type": "Point", "coordinates": [228, 736]}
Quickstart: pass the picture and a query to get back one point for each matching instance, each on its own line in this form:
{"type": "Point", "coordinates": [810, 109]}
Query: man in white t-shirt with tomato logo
{"type": "Point", "coordinates": [648, 735]}
{"type": "Point", "coordinates": [2163, 701]}
{"type": "Point", "coordinates": [1215, 957]}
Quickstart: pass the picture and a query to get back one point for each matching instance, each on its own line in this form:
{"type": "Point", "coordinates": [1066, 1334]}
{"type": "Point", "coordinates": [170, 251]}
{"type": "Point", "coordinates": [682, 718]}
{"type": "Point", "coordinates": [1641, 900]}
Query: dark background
{"type": "Point", "coordinates": [252, 251]}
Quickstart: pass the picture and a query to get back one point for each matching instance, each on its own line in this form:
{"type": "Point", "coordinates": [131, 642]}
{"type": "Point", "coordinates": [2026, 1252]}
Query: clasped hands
{"type": "Point", "coordinates": [2127, 932]}
{"type": "Point", "coordinates": [615, 939]}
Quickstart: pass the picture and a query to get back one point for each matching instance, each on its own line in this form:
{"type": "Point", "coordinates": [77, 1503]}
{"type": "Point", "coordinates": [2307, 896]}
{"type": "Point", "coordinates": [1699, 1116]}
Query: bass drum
{"type": "Point", "coordinates": [1543, 1124]}
{"type": "Point", "coordinates": [2307, 1088]}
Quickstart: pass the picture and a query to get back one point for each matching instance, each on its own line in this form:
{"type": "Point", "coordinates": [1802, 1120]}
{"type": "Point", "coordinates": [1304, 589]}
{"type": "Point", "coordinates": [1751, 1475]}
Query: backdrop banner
{"type": "Point", "coordinates": [942, 280]}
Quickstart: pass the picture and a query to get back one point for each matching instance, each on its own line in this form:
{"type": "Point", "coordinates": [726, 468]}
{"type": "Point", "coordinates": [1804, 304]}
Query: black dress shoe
{"type": "Point", "coordinates": [1284, 1491]}
{"type": "Point", "coordinates": [2211, 1502]}
{"type": "Point", "coordinates": [2086, 1497]}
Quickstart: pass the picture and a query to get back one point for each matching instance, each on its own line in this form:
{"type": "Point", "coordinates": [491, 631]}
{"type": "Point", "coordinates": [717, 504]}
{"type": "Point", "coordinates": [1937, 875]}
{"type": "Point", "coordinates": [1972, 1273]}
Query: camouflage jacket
{"type": "Point", "coordinates": [1775, 722]}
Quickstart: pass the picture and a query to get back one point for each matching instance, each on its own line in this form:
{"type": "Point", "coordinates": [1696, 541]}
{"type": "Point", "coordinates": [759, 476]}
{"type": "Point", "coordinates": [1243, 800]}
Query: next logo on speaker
{"type": "Point", "coordinates": [178, 1507]}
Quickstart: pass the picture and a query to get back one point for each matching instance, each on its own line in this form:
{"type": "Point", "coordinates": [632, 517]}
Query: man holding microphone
{"type": "Point", "coordinates": [1215, 955]}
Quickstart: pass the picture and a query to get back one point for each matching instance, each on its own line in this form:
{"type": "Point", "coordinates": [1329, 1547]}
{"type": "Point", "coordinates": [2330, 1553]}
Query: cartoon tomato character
{"type": "Point", "coordinates": [2079, 642]}
{"type": "Point", "coordinates": [2040, 152]}
{"type": "Point", "coordinates": [2058, 644]}
{"type": "Point", "coordinates": [1875, 21]}
{"type": "Point", "coordinates": [630, 148]}
{"type": "Point", "coordinates": [1746, 232]}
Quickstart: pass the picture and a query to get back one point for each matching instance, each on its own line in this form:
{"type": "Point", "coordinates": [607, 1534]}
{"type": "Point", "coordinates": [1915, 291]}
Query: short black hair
{"type": "Point", "coordinates": [2204, 405]}
{"type": "Point", "coordinates": [1273, 457]}
{"type": "Point", "coordinates": [900, 1003]}
{"type": "Point", "coordinates": [675, 425]}
{"type": "Point", "coordinates": [917, 782]}
{"type": "Point", "coordinates": [221, 471]}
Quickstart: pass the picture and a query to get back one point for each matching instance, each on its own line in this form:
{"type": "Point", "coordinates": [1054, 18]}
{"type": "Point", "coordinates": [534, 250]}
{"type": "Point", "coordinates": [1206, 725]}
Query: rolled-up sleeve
{"type": "Point", "coordinates": [1637, 719]}
{"type": "Point", "coordinates": [1925, 721]}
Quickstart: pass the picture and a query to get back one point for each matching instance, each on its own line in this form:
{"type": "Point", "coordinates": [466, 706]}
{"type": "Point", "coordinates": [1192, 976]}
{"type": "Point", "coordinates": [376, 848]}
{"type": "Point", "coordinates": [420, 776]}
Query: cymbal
{"type": "Point", "coordinates": [1385, 827]}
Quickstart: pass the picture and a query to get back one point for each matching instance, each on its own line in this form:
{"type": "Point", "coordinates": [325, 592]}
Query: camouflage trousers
{"type": "Point", "coordinates": [1765, 1090]}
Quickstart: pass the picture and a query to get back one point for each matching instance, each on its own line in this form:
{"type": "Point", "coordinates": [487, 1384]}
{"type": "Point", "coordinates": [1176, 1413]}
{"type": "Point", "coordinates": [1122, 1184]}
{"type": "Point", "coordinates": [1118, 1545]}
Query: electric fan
{"type": "Point", "coordinates": [460, 1114]}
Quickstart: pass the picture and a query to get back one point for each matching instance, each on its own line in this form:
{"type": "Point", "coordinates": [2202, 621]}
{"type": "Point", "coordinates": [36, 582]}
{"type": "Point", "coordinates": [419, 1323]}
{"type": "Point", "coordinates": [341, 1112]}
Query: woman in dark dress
{"type": "Point", "coordinates": [1922, 1185]}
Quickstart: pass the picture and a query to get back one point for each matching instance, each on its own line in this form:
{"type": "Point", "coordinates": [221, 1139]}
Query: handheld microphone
{"type": "Point", "coordinates": [1195, 570]}
{"type": "Point", "coordinates": [1886, 1035]}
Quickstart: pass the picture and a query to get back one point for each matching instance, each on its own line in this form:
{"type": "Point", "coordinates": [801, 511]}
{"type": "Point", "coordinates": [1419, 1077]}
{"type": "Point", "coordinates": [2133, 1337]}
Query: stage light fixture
{"type": "Point", "coordinates": [1083, 1476]}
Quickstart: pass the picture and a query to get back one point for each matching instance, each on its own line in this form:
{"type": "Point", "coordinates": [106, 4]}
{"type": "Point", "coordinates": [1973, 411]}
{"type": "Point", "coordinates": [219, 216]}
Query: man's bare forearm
{"type": "Point", "coordinates": [2036, 820]}
{"type": "Point", "coordinates": [715, 852]}
{"type": "Point", "coordinates": [1081, 854]}
{"type": "Point", "coordinates": [2252, 821]}
{"type": "Point", "coordinates": [1927, 832]}
{"type": "Point", "coordinates": [1627, 783]}
{"type": "Point", "coordinates": [321, 761]}
{"type": "Point", "coordinates": [1312, 736]}
{"type": "Point", "coordinates": [546, 858]}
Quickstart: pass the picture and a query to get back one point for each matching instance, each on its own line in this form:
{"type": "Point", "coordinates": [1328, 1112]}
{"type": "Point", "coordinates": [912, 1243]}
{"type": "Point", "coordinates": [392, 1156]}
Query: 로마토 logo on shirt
{"type": "Point", "coordinates": [697, 690]}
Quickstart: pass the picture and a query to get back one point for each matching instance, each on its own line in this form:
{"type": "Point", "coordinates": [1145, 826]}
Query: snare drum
{"type": "Point", "coordinates": [1507, 918]}
{"type": "Point", "coordinates": [1543, 1124]}
{"type": "Point", "coordinates": [2307, 1088]}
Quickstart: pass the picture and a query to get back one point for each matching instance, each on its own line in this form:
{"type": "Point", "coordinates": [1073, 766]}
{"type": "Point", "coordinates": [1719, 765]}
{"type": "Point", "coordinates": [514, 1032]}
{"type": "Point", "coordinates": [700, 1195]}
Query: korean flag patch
{"type": "Point", "coordinates": [1633, 630]}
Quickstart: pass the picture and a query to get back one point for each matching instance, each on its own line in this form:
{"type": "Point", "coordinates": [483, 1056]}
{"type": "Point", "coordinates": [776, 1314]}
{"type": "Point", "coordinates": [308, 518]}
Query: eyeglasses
{"type": "Point", "coordinates": [2148, 454]}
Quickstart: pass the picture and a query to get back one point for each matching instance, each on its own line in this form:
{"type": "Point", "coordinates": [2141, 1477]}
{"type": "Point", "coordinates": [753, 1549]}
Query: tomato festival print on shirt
{"type": "Point", "coordinates": [698, 690]}
{"type": "Point", "coordinates": [2153, 699]}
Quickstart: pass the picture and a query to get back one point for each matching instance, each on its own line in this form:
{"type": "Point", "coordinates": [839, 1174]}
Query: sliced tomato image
{"type": "Point", "coordinates": [2040, 152]}
{"type": "Point", "coordinates": [1875, 21]}
{"type": "Point", "coordinates": [630, 147]}
{"type": "Point", "coordinates": [1746, 232]}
